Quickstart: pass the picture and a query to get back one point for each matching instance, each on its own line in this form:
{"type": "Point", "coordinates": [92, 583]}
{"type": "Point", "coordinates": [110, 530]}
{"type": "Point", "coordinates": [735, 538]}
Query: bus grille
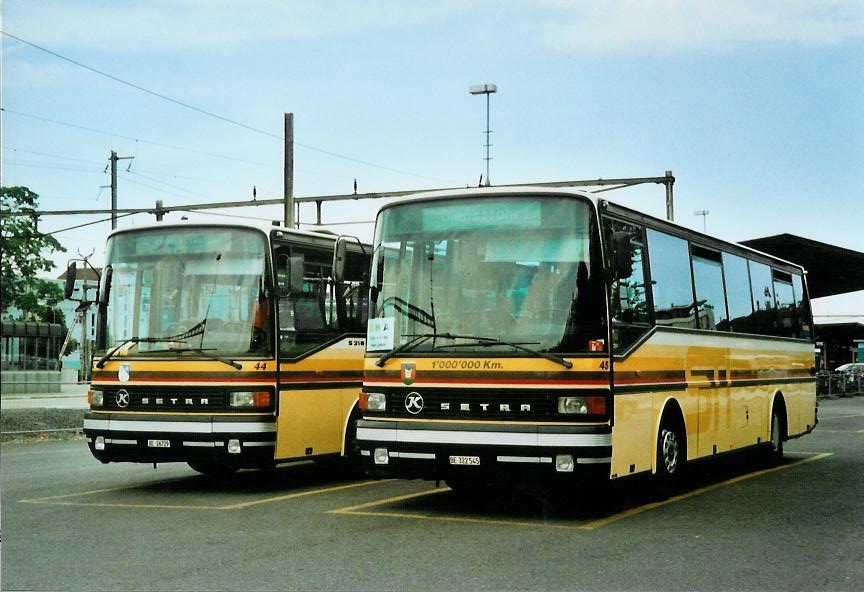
{"type": "Point", "coordinates": [477, 404]}
{"type": "Point", "coordinates": [162, 399]}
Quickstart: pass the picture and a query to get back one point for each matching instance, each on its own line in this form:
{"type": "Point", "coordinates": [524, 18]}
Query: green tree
{"type": "Point", "coordinates": [24, 252]}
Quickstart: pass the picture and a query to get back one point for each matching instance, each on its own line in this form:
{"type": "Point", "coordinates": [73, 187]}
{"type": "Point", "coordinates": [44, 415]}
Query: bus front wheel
{"type": "Point", "coordinates": [213, 468]}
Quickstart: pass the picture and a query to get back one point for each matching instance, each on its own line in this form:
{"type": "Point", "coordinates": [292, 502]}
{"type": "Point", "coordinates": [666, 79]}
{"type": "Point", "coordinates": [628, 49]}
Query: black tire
{"type": "Point", "coordinates": [212, 468]}
{"type": "Point", "coordinates": [469, 489]}
{"type": "Point", "coordinates": [775, 442]}
{"type": "Point", "coordinates": [671, 457]}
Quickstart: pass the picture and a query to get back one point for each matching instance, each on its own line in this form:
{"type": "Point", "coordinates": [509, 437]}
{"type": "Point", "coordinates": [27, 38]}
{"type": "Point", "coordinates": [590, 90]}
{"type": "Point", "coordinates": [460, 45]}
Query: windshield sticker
{"type": "Point", "coordinates": [380, 333]}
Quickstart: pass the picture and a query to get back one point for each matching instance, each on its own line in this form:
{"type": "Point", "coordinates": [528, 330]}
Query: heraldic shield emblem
{"type": "Point", "coordinates": [409, 369]}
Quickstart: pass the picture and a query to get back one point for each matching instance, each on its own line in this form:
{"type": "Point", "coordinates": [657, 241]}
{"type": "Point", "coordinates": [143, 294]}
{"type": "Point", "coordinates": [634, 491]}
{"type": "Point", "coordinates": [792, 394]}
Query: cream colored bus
{"type": "Point", "coordinates": [227, 346]}
{"type": "Point", "coordinates": [532, 333]}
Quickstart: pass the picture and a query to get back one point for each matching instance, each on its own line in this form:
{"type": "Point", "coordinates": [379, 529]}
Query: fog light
{"type": "Point", "coordinates": [234, 447]}
{"type": "Point", "coordinates": [564, 463]}
{"type": "Point", "coordinates": [100, 443]}
{"type": "Point", "coordinates": [381, 456]}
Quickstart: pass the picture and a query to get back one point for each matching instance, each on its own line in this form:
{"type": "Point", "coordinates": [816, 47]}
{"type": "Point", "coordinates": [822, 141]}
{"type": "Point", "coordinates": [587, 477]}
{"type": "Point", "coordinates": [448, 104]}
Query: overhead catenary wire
{"type": "Point", "coordinates": [210, 113]}
{"type": "Point", "coordinates": [143, 141]}
{"type": "Point", "coordinates": [53, 232]}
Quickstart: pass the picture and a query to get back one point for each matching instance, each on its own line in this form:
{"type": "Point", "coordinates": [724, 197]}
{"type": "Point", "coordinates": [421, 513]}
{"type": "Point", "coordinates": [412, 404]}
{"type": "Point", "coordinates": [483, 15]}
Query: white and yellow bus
{"type": "Point", "coordinates": [530, 333]}
{"type": "Point", "coordinates": [227, 346]}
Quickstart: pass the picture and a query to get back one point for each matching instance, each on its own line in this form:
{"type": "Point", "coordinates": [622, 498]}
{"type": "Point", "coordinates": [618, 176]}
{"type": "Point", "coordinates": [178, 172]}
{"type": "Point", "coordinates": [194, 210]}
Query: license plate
{"type": "Point", "coordinates": [159, 443]}
{"type": "Point", "coordinates": [464, 460]}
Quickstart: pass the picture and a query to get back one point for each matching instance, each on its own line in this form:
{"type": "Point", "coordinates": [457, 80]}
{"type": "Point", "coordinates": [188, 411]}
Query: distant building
{"type": "Point", "coordinates": [841, 343]}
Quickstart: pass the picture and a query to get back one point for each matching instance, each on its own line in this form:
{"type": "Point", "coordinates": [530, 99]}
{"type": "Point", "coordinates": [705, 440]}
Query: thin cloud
{"type": "Point", "coordinates": [212, 25]}
{"type": "Point", "coordinates": [701, 25]}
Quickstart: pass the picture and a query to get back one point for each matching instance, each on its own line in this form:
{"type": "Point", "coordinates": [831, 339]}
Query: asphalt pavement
{"type": "Point", "coordinates": [71, 523]}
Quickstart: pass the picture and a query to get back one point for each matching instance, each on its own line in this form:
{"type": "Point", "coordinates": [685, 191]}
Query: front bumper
{"type": "Point", "coordinates": [152, 438]}
{"type": "Point", "coordinates": [425, 450]}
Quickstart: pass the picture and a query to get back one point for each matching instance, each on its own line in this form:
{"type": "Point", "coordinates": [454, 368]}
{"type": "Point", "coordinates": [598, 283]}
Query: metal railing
{"type": "Point", "coordinates": [839, 384]}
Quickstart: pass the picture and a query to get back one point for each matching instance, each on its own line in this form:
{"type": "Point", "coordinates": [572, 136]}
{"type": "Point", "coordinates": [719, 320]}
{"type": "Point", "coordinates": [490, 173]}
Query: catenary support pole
{"type": "Point", "coordinates": [289, 170]}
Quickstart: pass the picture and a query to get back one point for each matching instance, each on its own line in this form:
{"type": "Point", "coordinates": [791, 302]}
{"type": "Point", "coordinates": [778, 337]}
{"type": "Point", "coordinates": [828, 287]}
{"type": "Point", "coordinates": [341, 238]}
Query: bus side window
{"type": "Point", "coordinates": [738, 293]}
{"type": "Point", "coordinates": [629, 303]}
{"type": "Point", "coordinates": [786, 320]}
{"type": "Point", "coordinates": [672, 288]}
{"type": "Point", "coordinates": [710, 294]}
{"type": "Point", "coordinates": [304, 317]}
{"type": "Point", "coordinates": [802, 306]}
{"type": "Point", "coordinates": [763, 299]}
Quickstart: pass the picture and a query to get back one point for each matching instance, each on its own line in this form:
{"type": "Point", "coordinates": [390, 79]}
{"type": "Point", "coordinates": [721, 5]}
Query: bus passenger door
{"type": "Point", "coordinates": [309, 418]}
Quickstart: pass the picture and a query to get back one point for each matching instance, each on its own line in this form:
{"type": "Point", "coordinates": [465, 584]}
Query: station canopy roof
{"type": "Point", "coordinates": [830, 269]}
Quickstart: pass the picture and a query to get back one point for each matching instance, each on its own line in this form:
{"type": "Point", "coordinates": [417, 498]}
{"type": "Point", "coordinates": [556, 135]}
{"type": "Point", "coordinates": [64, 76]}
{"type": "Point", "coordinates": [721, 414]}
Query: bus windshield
{"type": "Point", "coordinates": [186, 289]}
{"type": "Point", "coordinates": [468, 275]}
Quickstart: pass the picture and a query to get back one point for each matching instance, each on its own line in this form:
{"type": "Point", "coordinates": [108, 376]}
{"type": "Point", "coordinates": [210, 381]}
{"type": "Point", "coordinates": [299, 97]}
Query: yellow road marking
{"type": "Point", "coordinates": [650, 506]}
{"type": "Point", "coordinates": [363, 509]}
{"type": "Point", "coordinates": [356, 511]}
{"type": "Point", "coordinates": [51, 500]}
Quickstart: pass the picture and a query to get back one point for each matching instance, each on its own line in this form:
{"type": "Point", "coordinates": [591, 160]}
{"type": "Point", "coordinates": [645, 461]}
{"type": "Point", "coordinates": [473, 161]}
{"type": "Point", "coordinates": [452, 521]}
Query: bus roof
{"type": "Point", "coordinates": [598, 203]}
{"type": "Point", "coordinates": [251, 225]}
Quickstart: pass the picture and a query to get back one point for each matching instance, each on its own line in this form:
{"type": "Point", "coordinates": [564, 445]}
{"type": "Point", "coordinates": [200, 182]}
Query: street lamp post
{"type": "Point", "coordinates": [485, 89]}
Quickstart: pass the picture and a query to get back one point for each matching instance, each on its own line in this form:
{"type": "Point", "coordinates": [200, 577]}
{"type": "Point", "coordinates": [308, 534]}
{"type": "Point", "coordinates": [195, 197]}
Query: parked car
{"type": "Point", "coordinates": [853, 372]}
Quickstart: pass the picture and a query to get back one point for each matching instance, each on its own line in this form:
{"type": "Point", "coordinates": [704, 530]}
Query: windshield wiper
{"type": "Point", "coordinates": [179, 338]}
{"type": "Point", "coordinates": [487, 341]}
{"type": "Point", "coordinates": [413, 342]}
{"type": "Point", "coordinates": [198, 350]}
{"type": "Point", "coordinates": [132, 341]}
{"type": "Point", "coordinates": [411, 311]}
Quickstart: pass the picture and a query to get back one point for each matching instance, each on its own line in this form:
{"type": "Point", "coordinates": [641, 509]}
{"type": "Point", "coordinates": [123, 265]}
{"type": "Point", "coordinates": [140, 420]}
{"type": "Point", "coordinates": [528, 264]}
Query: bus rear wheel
{"type": "Point", "coordinates": [671, 458]}
{"type": "Point", "coordinates": [775, 445]}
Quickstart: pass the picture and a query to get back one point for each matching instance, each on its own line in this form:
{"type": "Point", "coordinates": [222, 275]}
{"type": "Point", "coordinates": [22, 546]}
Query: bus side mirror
{"type": "Point", "coordinates": [69, 287]}
{"type": "Point", "coordinates": [622, 254]}
{"type": "Point", "coordinates": [340, 250]}
{"type": "Point", "coordinates": [292, 282]}
{"type": "Point", "coordinates": [105, 292]}
{"type": "Point", "coordinates": [376, 283]}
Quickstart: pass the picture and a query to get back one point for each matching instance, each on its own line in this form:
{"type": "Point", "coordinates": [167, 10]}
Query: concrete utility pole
{"type": "Point", "coordinates": [289, 170]}
{"type": "Point", "coordinates": [114, 158]}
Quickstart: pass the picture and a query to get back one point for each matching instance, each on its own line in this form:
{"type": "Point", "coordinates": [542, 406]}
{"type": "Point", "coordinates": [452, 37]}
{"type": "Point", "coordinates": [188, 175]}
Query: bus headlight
{"type": "Point", "coordinates": [96, 398]}
{"type": "Point", "coordinates": [249, 399]}
{"type": "Point", "coordinates": [376, 402]}
{"type": "Point", "coordinates": [573, 405]}
{"type": "Point", "coordinates": [582, 405]}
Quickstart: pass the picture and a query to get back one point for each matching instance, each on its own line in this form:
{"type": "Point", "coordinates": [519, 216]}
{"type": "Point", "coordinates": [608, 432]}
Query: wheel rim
{"type": "Point", "coordinates": [669, 451]}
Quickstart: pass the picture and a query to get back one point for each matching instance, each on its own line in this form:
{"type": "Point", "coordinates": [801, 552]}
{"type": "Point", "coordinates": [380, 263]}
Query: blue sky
{"type": "Point", "coordinates": [757, 107]}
